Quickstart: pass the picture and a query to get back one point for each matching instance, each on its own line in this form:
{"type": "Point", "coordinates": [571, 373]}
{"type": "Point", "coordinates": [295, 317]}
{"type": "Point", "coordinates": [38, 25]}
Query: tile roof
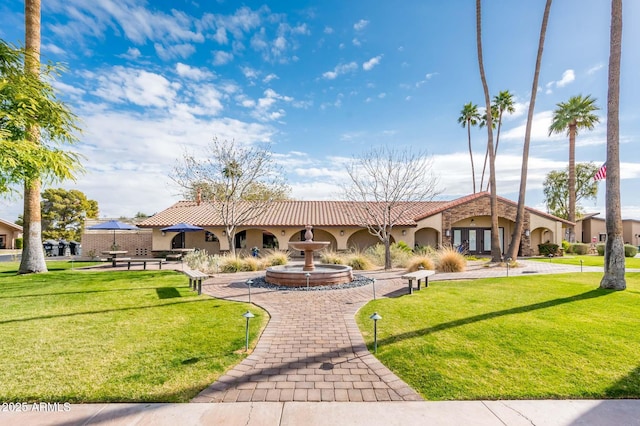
{"type": "Point", "coordinates": [286, 213]}
{"type": "Point", "coordinates": [315, 213]}
{"type": "Point", "coordinates": [11, 225]}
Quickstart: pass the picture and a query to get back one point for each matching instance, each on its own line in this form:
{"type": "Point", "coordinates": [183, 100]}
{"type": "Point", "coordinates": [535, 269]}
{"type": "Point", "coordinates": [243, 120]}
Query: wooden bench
{"type": "Point", "coordinates": [419, 276]}
{"type": "Point", "coordinates": [195, 279]}
{"type": "Point", "coordinates": [144, 262]}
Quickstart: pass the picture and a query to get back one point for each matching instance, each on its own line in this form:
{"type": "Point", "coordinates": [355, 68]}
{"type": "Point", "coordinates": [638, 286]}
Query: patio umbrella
{"type": "Point", "coordinates": [182, 227]}
{"type": "Point", "coordinates": [114, 225]}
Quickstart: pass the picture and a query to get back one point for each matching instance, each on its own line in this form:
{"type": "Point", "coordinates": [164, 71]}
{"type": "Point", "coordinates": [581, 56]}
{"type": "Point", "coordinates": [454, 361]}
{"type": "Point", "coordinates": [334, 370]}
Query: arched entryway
{"type": "Point", "coordinates": [362, 240]}
{"type": "Point", "coordinates": [427, 237]}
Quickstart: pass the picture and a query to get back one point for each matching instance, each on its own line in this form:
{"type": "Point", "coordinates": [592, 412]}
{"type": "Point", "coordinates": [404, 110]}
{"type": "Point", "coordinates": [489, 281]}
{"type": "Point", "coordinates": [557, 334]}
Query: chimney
{"type": "Point", "coordinates": [199, 197]}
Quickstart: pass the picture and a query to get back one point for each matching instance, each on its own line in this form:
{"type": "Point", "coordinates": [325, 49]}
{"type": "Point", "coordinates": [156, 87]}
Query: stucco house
{"type": "Point", "coordinates": [592, 229]}
{"type": "Point", "coordinates": [9, 232]}
{"type": "Point", "coordinates": [463, 221]}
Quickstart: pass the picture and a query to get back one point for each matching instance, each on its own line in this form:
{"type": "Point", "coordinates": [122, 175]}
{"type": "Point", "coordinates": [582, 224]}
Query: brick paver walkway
{"type": "Point", "coordinates": [311, 350]}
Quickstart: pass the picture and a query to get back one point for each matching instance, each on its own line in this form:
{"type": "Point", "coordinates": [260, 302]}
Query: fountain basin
{"type": "Point", "coordinates": [295, 275]}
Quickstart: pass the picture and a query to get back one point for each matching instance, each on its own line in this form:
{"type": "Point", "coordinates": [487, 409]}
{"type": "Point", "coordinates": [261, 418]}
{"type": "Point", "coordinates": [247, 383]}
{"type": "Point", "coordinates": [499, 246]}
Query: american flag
{"type": "Point", "coordinates": [601, 173]}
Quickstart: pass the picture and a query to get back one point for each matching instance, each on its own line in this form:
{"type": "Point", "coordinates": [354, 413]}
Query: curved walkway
{"type": "Point", "coordinates": [312, 350]}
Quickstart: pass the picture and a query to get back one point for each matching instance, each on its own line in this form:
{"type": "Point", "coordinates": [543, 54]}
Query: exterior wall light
{"type": "Point", "coordinates": [282, 232]}
{"type": "Point", "coordinates": [341, 233]}
{"type": "Point", "coordinates": [447, 233]}
{"type": "Point", "coordinates": [527, 232]}
{"type": "Point", "coordinates": [404, 232]}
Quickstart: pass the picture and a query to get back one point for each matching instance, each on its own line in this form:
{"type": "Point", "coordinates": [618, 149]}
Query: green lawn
{"type": "Point", "coordinates": [82, 336]}
{"type": "Point", "coordinates": [552, 336]}
{"type": "Point", "coordinates": [589, 260]}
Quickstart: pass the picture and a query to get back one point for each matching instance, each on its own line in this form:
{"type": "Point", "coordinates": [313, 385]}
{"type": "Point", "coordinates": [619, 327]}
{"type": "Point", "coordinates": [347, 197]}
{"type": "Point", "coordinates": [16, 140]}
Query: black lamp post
{"type": "Point", "coordinates": [375, 317]}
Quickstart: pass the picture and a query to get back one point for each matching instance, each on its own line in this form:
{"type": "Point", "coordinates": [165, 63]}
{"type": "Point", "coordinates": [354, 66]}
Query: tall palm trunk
{"type": "Point", "coordinates": [614, 268]}
{"type": "Point", "coordinates": [572, 181]}
{"type": "Point", "coordinates": [32, 251]}
{"type": "Point", "coordinates": [518, 228]}
{"type": "Point", "coordinates": [496, 255]}
{"type": "Point", "coordinates": [473, 170]}
{"type": "Point", "coordinates": [486, 155]}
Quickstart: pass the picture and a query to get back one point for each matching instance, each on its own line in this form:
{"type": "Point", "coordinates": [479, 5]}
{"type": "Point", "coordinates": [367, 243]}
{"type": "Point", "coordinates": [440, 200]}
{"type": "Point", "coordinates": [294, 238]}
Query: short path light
{"type": "Point", "coordinates": [550, 257]}
{"type": "Point", "coordinates": [581, 265]}
{"type": "Point", "coordinates": [375, 317]}
{"type": "Point", "coordinates": [307, 275]}
{"type": "Point", "coordinates": [508, 265]}
{"type": "Point", "coordinates": [374, 289]}
{"type": "Point", "coordinates": [249, 282]}
{"type": "Point", "coordinates": [248, 315]}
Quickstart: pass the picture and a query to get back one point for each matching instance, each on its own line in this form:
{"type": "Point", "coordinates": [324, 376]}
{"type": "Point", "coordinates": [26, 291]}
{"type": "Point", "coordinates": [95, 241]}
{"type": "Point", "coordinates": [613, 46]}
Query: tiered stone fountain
{"type": "Point", "coordinates": [309, 274]}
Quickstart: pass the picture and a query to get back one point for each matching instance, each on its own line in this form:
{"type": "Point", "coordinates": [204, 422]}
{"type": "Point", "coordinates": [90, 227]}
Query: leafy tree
{"type": "Point", "coordinates": [33, 123]}
{"type": "Point", "coordinates": [576, 113]}
{"type": "Point", "coordinates": [556, 189]}
{"type": "Point", "coordinates": [387, 181]}
{"type": "Point", "coordinates": [614, 268]}
{"type": "Point", "coordinates": [518, 228]}
{"type": "Point", "coordinates": [469, 116]}
{"type": "Point", "coordinates": [496, 254]}
{"type": "Point", "coordinates": [239, 181]}
{"type": "Point", "coordinates": [63, 213]}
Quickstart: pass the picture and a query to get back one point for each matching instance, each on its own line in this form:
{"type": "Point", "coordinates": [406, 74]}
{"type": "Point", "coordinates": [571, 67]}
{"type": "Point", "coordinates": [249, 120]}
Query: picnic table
{"type": "Point", "coordinates": [113, 255]}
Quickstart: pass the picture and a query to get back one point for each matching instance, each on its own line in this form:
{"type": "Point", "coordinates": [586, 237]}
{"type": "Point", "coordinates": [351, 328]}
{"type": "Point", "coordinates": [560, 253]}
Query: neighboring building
{"type": "Point", "coordinates": [9, 232]}
{"type": "Point", "coordinates": [94, 242]}
{"type": "Point", "coordinates": [590, 229]}
{"type": "Point", "coordinates": [464, 221]}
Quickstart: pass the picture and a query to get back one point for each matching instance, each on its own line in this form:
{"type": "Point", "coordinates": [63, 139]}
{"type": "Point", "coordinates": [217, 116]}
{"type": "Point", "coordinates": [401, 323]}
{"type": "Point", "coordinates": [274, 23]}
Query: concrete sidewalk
{"type": "Point", "coordinates": [481, 413]}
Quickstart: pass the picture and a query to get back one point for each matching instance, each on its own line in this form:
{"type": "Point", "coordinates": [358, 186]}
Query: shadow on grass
{"type": "Point", "coordinates": [491, 315]}
{"type": "Point", "coordinates": [64, 293]}
{"type": "Point", "coordinates": [627, 387]}
{"type": "Point", "coordinates": [167, 292]}
{"type": "Point", "coordinates": [103, 311]}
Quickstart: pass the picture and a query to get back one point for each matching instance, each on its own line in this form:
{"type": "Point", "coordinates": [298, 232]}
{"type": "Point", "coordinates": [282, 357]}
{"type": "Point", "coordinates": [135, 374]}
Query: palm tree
{"type": "Point", "coordinates": [496, 255]}
{"type": "Point", "coordinates": [576, 113]}
{"type": "Point", "coordinates": [518, 228]}
{"type": "Point", "coordinates": [502, 102]}
{"type": "Point", "coordinates": [469, 116]}
{"type": "Point", "coordinates": [32, 251]}
{"type": "Point", "coordinates": [614, 268]}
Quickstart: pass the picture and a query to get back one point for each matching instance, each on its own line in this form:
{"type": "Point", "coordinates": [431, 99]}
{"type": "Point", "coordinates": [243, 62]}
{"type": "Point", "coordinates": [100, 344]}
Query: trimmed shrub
{"type": "Point", "coordinates": [401, 246]}
{"type": "Point", "coordinates": [450, 260]}
{"type": "Point", "coordinates": [546, 249]}
{"type": "Point", "coordinates": [566, 246]}
{"type": "Point", "coordinates": [415, 262]}
{"type": "Point", "coordinates": [579, 248]}
{"type": "Point", "coordinates": [600, 248]}
{"type": "Point", "coordinates": [19, 243]}
{"type": "Point", "coordinates": [630, 251]}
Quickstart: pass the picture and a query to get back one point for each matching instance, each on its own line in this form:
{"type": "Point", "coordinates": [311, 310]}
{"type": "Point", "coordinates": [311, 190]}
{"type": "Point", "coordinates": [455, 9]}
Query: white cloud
{"type": "Point", "coordinates": [174, 51]}
{"type": "Point", "coordinates": [368, 66]}
{"type": "Point", "coordinates": [249, 72]}
{"type": "Point", "coordinates": [339, 70]}
{"type": "Point", "coordinates": [192, 73]}
{"type": "Point", "coordinates": [67, 89]}
{"type": "Point", "coordinates": [133, 53]}
{"type": "Point", "coordinates": [221, 36]}
{"type": "Point", "coordinates": [328, 30]}
{"type": "Point", "coordinates": [52, 48]}
{"type": "Point", "coordinates": [595, 68]}
{"type": "Point", "coordinates": [356, 42]}
{"type": "Point", "coordinates": [270, 77]}
{"type": "Point", "coordinates": [136, 86]}
{"type": "Point", "coordinates": [567, 77]}
{"type": "Point", "coordinates": [220, 57]}
{"type": "Point", "coordinates": [360, 25]}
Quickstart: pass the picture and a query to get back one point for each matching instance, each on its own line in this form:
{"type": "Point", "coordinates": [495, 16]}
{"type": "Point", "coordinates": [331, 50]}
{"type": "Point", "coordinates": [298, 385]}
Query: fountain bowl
{"type": "Point", "coordinates": [322, 275]}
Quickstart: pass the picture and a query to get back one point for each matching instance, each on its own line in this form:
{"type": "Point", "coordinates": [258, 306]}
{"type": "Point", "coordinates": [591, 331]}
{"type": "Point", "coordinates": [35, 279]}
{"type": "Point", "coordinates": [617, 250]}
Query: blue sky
{"type": "Point", "coordinates": [323, 81]}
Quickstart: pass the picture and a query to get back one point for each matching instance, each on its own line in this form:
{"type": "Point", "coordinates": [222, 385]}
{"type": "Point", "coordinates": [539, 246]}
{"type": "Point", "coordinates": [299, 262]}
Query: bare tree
{"type": "Point", "coordinates": [614, 268]}
{"type": "Point", "coordinates": [244, 181]}
{"type": "Point", "coordinates": [387, 183]}
{"type": "Point", "coordinates": [518, 229]}
{"type": "Point", "coordinates": [496, 254]}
